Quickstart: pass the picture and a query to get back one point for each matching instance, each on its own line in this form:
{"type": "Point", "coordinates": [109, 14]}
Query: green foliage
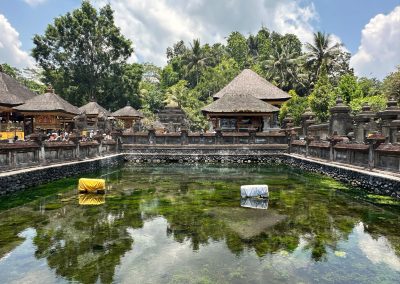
{"type": "Point", "coordinates": [237, 48]}
{"type": "Point", "coordinates": [348, 88]}
{"type": "Point", "coordinates": [284, 64]}
{"type": "Point", "coordinates": [324, 54]}
{"type": "Point", "coordinates": [214, 79]}
{"type": "Point", "coordinates": [151, 97]}
{"type": "Point", "coordinates": [370, 87]}
{"type": "Point", "coordinates": [377, 103]}
{"type": "Point", "coordinates": [10, 71]}
{"type": "Point", "coordinates": [295, 107]}
{"type": "Point", "coordinates": [83, 54]}
{"type": "Point", "coordinates": [322, 98]}
{"type": "Point", "coordinates": [391, 84]}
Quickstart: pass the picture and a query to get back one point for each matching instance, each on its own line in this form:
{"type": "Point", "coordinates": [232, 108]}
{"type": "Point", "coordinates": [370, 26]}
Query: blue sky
{"type": "Point", "coordinates": [153, 25]}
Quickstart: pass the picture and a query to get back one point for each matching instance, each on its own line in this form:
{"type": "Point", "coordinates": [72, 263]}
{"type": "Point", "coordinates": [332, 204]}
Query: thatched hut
{"type": "Point", "coordinates": [248, 101]}
{"type": "Point", "coordinates": [12, 93]}
{"type": "Point", "coordinates": [250, 83]}
{"type": "Point", "coordinates": [241, 112]}
{"type": "Point", "coordinates": [128, 115]}
{"type": "Point", "coordinates": [95, 113]}
{"type": "Point", "coordinates": [93, 109]}
{"type": "Point", "coordinates": [48, 110]}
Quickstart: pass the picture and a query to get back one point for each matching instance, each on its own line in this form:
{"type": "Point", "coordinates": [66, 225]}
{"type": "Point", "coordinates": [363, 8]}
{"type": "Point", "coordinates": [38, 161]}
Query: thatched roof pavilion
{"type": "Point", "coordinates": [48, 103]}
{"type": "Point", "coordinates": [239, 104]}
{"type": "Point", "coordinates": [128, 115]}
{"type": "Point", "coordinates": [48, 110]}
{"type": "Point", "coordinates": [93, 109]}
{"type": "Point", "coordinates": [241, 112]}
{"type": "Point", "coordinates": [248, 101]}
{"type": "Point", "coordinates": [127, 112]}
{"type": "Point", "coordinates": [12, 92]}
{"type": "Point", "coordinates": [250, 83]}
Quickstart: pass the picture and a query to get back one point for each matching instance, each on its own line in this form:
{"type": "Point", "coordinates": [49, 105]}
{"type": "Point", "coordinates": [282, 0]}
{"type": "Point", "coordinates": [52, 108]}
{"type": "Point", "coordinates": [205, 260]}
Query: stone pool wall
{"type": "Point", "coordinates": [22, 179]}
{"type": "Point", "coordinates": [209, 154]}
{"type": "Point", "coordinates": [376, 182]}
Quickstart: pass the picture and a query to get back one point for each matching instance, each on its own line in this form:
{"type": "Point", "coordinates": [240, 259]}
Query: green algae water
{"type": "Point", "coordinates": [185, 224]}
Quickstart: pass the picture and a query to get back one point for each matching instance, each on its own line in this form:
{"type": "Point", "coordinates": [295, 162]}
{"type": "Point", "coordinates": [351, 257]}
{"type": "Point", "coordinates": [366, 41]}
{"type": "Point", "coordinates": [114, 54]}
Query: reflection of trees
{"type": "Point", "coordinates": [321, 224]}
{"type": "Point", "coordinates": [85, 244]}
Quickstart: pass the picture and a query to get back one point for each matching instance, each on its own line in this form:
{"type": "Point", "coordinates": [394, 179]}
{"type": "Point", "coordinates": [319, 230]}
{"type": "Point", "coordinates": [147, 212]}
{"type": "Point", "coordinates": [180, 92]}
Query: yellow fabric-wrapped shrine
{"type": "Point", "coordinates": [91, 185]}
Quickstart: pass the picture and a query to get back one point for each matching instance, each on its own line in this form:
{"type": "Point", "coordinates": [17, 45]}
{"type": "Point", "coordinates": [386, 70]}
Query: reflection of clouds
{"type": "Point", "coordinates": [377, 251]}
{"type": "Point", "coordinates": [21, 265]}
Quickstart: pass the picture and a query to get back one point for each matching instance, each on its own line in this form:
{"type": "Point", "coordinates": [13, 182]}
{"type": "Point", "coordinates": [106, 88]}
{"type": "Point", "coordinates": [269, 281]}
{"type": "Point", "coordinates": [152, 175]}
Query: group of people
{"type": "Point", "coordinates": [63, 136]}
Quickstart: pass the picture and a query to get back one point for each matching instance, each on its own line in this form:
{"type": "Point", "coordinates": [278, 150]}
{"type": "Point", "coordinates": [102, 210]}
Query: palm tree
{"type": "Point", "coordinates": [322, 52]}
{"type": "Point", "coordinates": [195, 59]}
{"type": "Point", "coordinates": [285, 67]}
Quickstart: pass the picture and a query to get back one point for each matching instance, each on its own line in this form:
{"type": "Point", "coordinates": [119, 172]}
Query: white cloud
{"type": "Point", "coordinates": [379, 52]}
{"type": "Point", "coordinates": [153, 25]}
{"type": "Point", "coordinates": [10, 46]}
{"type": "Point", "coordinates": [377, 250]}
{"type": "Point", "coordinates": [34, 2]}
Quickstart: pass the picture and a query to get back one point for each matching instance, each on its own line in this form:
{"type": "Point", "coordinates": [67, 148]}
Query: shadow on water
{"type": "Point", "coordinates": [308, 219]}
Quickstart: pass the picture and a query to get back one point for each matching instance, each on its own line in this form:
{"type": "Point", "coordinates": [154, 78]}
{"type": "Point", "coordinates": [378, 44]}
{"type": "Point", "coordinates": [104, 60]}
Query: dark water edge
{"type": "Point", "coordinates": [184, 224]}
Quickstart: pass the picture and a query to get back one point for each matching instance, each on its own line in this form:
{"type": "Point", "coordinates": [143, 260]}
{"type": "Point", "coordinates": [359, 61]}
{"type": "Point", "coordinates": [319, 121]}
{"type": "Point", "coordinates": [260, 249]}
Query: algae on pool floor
{"type": "Point", "coordinates": [174, 223]}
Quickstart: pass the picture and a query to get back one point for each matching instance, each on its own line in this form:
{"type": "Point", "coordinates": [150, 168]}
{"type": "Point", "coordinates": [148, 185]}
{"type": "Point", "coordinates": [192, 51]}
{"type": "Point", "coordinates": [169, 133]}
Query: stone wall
{"type": "Point", "coordinates": [372, 182]}
{"type": "Point", "coordinates": [151, 137]}
{"type": "Point", "coordinates": [208, 154]}
{"type": "Point", "coordinates": [22, 179]}
{"type": "Point", "coordinates": [29, 154]}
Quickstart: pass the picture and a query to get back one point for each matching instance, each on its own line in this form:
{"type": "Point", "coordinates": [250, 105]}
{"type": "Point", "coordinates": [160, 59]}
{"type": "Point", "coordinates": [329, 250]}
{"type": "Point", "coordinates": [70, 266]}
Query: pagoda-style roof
{"type": "Point", "coordinates": [127, 112]}
{"type": "Point", "coordinates": [250, 83]}
{"type": "Point", "coordinates": [94, 109]}
{"type": "Point", "coordinates": [12, 92]}
{"type": "Point", "coordinates": [48, 103]}
{"type": "Point", "coordinates": [239, 103]}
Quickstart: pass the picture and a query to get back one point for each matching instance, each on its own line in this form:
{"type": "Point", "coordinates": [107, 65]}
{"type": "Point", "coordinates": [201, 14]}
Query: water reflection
{"type": "Point", "coordinates": [91, 199]}
{"type": "Point", "coordinates": [155, 218]}
{"type": "Point", "coordinates": [254, 203]}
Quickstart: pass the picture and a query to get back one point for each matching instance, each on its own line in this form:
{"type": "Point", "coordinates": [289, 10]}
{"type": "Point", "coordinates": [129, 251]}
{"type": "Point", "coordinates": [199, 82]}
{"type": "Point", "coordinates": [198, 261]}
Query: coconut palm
{"type": "Point", "coordinates": [322, 52]}
{"type": "Point", "coordinates": [284, 67]}
{"type": "Point", "coordinates": [195, 59]}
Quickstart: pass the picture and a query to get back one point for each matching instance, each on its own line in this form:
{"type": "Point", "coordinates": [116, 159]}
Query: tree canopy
{"type": "Point", "coordinates": [83, 55]}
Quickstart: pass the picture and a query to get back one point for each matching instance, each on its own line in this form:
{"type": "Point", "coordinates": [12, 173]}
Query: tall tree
{"type": "Point", "coordinates": [195, 60]}
{"type": "Point", "coordinates": [83, 54]}
{"type": "Point", "coordinates": [348, 88]}
{"type": "Point", "coordinates": [322, 97]}
{"type": "Point", "coordinates": [322, 53]}
{"type": "Point", "coordinates": [391, 84]}
{"type": "Point", "coordinates": [284, 64]}
{"type": "Point", "coordinates": [238, 48]}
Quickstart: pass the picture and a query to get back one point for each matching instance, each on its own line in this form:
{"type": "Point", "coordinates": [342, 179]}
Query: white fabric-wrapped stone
{"type": "Point", "coordinates": [255, 190]}
{"type": "Point", "coordinates": [256, 203]}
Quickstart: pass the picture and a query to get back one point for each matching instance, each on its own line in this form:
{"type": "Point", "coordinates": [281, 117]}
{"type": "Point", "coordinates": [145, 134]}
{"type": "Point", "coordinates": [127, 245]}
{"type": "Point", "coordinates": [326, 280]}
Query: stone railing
{"type": "Point", "coordinates": [194, 138]}
{"type": "Point", "coordinates": [379, 156]}
{"type": "Point", "coordinates": [27, 154]}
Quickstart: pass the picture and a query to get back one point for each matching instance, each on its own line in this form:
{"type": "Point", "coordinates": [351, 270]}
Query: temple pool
{"type": "Point", "coordinates": [185, 224]}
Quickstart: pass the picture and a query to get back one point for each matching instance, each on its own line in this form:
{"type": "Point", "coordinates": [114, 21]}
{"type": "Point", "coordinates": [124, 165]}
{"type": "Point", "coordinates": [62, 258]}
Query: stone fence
{"type": "Point", "coordinates": [368, 139]}
{"type": "Point", "coordinates": [28, 154]}
{"type": "Point", "coordinates": [383, 157]}
{"type": "Point", "coordinates": [218, 138]}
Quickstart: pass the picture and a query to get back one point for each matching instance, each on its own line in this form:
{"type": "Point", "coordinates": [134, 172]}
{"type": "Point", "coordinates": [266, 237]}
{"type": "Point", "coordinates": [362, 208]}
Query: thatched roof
{"type": "Point", "coordinates": [12, 92]}
{"type": "Point", "coordinates": [128, 112]}
{"type": "Point", "coordinates": [49, 103]}
{"type": "Point", "coordinates": [239, 103]}
{"type": "Point", "coordinates": [93, 108]}
{"type": "Point", "coordinates": [249, 82]}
